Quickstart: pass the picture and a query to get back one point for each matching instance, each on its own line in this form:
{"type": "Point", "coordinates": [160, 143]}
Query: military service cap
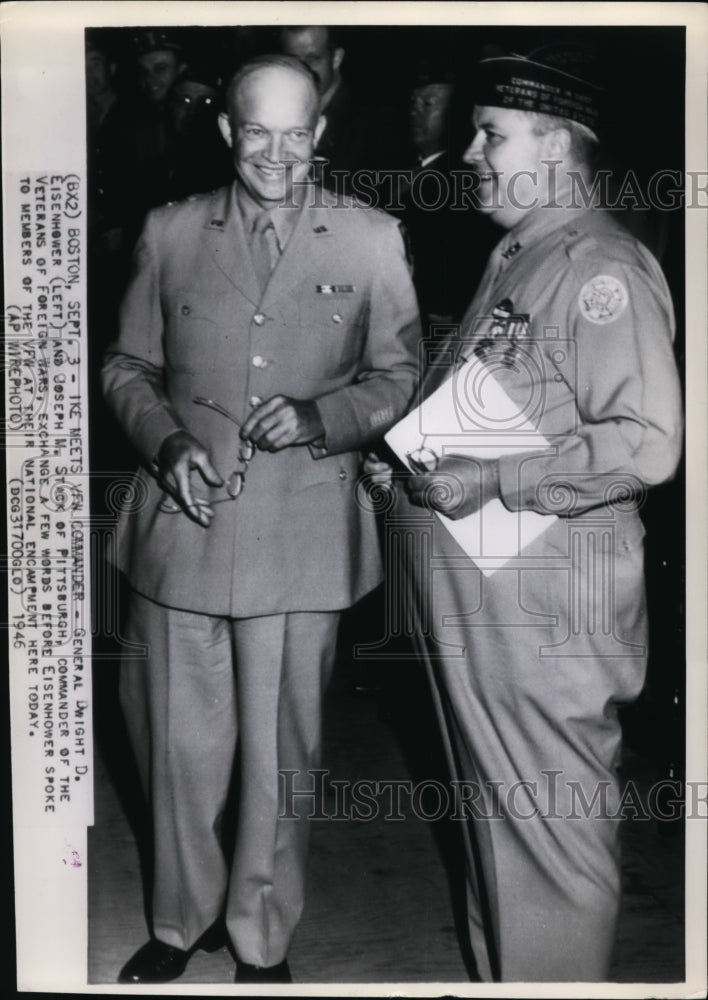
{"type": "Point", "coordinates": [535, 84]}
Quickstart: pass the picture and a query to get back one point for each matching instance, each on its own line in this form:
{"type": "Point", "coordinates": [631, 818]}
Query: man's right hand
{"type": "Point", "coordinates": [180, 453]}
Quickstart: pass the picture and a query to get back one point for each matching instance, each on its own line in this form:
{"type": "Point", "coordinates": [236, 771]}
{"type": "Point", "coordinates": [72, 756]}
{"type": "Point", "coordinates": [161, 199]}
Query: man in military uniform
{"type": "Point", "coordinates": [529, 662]}
{"type": "Point", "coordinates": [265, 338]}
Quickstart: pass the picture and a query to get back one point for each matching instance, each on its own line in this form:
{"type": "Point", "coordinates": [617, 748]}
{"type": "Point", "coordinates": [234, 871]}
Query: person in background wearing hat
{"type": "Point", "coordinates": [264, 340]}
{"type": "Point", "coordinates": [449, 244]}
{"type": "Point", "coordinates": [199, 159]}
{"type": "Point", "coordinates": [158, 64]}
{"type": "Point", "coordinates": [529, 662]}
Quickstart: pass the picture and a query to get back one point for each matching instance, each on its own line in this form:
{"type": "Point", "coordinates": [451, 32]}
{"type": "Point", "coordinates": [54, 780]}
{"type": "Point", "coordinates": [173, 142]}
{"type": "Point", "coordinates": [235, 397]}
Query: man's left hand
{"type": "Point", "coordinates": [458, 487]}
{"type": "Point", "coordinates": [281, 422]}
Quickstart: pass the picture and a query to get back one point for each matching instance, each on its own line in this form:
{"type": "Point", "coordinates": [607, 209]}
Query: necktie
{"type": "Point", "coordinates": [265, 250]}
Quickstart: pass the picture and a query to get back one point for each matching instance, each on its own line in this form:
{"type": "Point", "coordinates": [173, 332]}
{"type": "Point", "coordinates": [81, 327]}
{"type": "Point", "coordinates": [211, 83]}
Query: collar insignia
{"type": "Point", "coordinates": [510, 251]}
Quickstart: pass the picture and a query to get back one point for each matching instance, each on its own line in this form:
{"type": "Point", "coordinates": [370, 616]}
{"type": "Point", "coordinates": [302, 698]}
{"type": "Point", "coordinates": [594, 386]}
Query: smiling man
{"type": "Point", "coordinates": [265, 338]}
{"type": "Point", "coordinates": [529, 660]}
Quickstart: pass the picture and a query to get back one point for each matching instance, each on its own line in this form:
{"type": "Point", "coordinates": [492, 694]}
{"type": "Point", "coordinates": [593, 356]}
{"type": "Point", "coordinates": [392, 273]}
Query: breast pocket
{"type": "Point", "coordinates": [199, 334]}
{"type": "Point", "coordinates": [333, 327]}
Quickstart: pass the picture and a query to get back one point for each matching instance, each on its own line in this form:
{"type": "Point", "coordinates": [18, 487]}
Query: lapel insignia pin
{"type": "Point", "coordinates": [320, 229]}
{"type": "Point", "coordinates": [514, 248]}
{"type": "Point", "coordinates": [335, 289]}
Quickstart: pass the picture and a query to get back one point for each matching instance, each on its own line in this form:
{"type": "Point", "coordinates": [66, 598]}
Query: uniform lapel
{"type": "Point", "coordinates": [309, 249]}
{"type": "Point", "coordinates": [226, 243]}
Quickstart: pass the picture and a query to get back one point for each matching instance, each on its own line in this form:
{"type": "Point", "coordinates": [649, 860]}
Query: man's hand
{"type": "Point", "coordinates": [281, 422]}
{"type": "Point", "coordinates": [380, 472]}
{"type": "Point", "coordinates": [459, 487]}
{"type": "Point", "coordinates": [178, 455]}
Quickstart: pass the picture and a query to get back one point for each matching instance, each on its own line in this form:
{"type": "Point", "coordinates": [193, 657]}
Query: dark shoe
{"type": "Point", "coordinates": [246, 973]}
{"type": "Point", "coordinates": [157, 962]}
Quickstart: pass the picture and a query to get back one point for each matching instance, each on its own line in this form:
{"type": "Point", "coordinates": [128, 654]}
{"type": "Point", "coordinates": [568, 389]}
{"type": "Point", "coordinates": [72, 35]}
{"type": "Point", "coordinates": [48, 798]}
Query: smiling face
{"type": "Point", "coordinates": [504, 152]}
{"type": "Point", "coordinates": [157, 72]}
{"type": "Point", "coordinates": [272, 122]}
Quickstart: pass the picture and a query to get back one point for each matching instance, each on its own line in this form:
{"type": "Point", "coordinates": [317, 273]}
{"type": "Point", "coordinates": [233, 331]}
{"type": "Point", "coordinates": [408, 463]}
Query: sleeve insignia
{"type": "Point", "coordinates": [602, 299]}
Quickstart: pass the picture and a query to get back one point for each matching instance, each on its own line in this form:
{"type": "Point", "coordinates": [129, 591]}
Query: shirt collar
{"type": "Point", "coordinates": [426, 160]}
{"type": "Point", "coordinates": [283, 217]}
{"type": "Point", "coordinates": [539, 222]}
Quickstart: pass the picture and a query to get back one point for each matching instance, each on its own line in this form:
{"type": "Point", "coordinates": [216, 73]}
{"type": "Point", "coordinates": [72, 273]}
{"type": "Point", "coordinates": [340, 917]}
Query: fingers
{"type": "Point", "coordinates": [373, 464]}
{"type": "Point", "coordinates": [275, 424]}
{"type": "Point", "coordinates": [209, 474]}
{"type": "Point", "coordinates": [178, 455]}
{"type": "Point", "coordinates": [417, 487]}
{"type": "Point", "coordinates": [441, 493]}
{"type": "Point", "coordinates": [196, 508]}
{"type": "Point", "coordinates": [259, 420]}
{"type": "Point", "coordinates": [379, 473]}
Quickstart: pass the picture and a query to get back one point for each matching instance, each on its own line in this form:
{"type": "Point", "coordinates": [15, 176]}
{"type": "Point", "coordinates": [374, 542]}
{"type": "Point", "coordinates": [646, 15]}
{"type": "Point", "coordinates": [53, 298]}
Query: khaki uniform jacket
{"type": "Point", "coordinates": [337, 322]}
{"type": "Point", "coordinates": [528, 665]}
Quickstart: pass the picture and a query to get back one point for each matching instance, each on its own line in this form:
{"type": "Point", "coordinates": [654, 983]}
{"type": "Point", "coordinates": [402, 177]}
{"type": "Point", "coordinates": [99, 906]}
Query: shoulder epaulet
{"type": "Point", "coordinates": [578, 243]}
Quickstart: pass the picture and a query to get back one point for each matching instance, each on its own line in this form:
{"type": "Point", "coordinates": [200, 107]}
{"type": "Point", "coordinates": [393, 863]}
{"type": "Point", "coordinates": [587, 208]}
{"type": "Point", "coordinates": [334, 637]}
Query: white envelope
{"type": "Point", "coordinates": [471, 414]}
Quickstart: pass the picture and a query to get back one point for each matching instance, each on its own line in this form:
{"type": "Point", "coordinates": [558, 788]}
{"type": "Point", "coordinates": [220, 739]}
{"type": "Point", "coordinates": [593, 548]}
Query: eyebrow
{"type": "Point", "coordinates": [291, 128]}
{"type": "Point", "coordinates": [486, 124]}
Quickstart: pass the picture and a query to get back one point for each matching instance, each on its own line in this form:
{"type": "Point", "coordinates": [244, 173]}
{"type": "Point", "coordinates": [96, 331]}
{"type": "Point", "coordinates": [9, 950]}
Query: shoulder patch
{"type": "Point", "coordinates": [602, 299]}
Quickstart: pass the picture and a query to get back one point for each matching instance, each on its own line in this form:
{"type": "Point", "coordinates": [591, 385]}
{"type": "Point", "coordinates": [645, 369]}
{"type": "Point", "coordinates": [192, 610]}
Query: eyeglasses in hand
{"type": "Point", "coordinates": [237, 480]}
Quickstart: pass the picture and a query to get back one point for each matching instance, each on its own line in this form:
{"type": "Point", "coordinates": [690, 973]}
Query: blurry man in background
{"type": "Point", "coordinates": [449, 243]}
{"type": "Point", "coordinates": [199, 159]}
{"type": "Point", "coordinates": [159, 64]}
{"type": "Point", "coordinates": [355, 137]}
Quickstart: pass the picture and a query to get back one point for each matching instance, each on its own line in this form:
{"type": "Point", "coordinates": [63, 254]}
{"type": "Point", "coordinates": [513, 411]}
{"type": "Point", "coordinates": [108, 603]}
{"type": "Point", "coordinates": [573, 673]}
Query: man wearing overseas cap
{"type": "Point", "coordinates": [529, 662]}
{"type": "Point", "coordinates": [265, 338]}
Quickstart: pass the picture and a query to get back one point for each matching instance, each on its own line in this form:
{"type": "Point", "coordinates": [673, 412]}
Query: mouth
{"type": "Point", "coordinates": [272, 173]}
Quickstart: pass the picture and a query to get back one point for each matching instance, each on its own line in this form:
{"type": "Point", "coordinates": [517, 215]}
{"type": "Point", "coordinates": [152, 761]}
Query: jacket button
{"type": "Point", "coordinates": [186, 310]}
{"type": "Point", "coordinates": [258, 361]}
{"type": "Point", "coordinates": [255, 401]}
{"type": "Point", "coordinates": [259, 319]}
{"type": "Point", "coordinates": [337, 318]}
{"type": "Point", "coordinates": [342, 474]}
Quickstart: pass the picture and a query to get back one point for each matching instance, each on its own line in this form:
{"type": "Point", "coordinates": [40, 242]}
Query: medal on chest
{"type": "Point", "coordinates": [500, 333]}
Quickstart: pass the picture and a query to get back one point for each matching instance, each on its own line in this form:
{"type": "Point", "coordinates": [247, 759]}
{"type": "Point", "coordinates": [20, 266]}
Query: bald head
{"type": "Point", "coordinates": [272, 126]}
{"type": "Point", "coordinates": [284, 74]}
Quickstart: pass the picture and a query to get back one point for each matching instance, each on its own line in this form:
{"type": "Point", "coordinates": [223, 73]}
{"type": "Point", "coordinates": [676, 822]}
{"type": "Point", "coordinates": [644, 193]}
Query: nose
{"type": "Point", "coordinates": [473, 153]}
{"type": "Point", "coordinates": [272, 151]}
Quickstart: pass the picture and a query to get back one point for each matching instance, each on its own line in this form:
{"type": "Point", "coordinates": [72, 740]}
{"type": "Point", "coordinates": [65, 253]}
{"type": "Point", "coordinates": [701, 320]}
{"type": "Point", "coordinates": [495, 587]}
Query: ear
{"type": "Point", "coordinates": [319, 129]}
{"type": "Point", "coordinates": [337, 58]}
{"type": "Point", "coordinates": [557, 143]}
{"type": "Point", "coordinates": [224, 124]}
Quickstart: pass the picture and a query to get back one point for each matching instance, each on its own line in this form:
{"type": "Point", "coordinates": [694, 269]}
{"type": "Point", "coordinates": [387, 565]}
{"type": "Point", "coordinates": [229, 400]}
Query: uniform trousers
{"type": "Point", "coordinates": [204, 683]}
{"type": "Point", "coordinates": [528, 669]}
